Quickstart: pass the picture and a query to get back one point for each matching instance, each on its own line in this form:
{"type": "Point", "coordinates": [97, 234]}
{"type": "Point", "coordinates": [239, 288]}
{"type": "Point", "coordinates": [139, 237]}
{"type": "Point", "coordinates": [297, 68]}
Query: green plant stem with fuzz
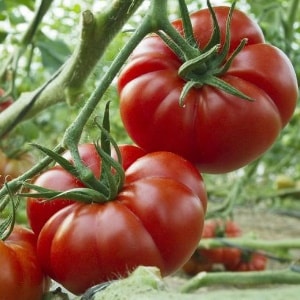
{"type": "Point", "coordinates": [156, 19]}
{"type": "Point", "coordinates": [96, 34]}
{"type": "Point", "coordinates": [251, 278]}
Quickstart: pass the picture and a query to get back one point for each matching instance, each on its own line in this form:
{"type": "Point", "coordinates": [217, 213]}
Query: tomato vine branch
{"type": "Point", "coordinates": [253, 278]}
{"type": "Point", "coordinates": [90, 48]}
{"type": "Point", "coordinates": [251, 243]}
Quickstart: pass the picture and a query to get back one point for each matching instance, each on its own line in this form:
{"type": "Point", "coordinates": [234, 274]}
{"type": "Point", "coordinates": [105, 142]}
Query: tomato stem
{"type": "Point", "coordinates": [187, 24]}
{"type": "Point", "coordinates": [251, 278]}
{"type": "Point", "coordinates": [251, 243]}
{"type": "Point", "coordinates": [203, 66]}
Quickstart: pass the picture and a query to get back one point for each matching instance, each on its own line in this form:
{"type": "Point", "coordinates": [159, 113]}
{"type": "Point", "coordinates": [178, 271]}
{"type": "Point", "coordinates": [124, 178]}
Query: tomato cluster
{"type": "Point", "coordinates": [231, 258]}
{"type": "Point", "coordinates": [156, 218]}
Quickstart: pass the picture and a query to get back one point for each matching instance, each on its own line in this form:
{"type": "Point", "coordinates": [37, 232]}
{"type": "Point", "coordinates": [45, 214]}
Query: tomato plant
{"type": "Point", "coordinates": [39, 210]}
{"type": "Point", "coordinates": [214, 127]}
{"type": "Point", "coordinates": [21, 276]}
{"type": "Point", "coordinates": [156, 219]}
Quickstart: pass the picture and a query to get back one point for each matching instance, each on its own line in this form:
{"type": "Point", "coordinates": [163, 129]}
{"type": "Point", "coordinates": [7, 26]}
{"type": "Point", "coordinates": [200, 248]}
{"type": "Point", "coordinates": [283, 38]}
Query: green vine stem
{"type": "Point", "coordinates": [251, 278]}
{"type": "Point", "coordinates": [155, 19]}
{"type": "Point", "coordinates": [97, 31]}
{"type": "Point", "coordinates": [251, 243]}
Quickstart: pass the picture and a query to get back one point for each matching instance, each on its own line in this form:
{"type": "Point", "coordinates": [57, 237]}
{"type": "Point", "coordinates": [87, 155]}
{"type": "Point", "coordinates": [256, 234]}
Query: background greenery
{"type": "Point", "coordinates": [55, 41]}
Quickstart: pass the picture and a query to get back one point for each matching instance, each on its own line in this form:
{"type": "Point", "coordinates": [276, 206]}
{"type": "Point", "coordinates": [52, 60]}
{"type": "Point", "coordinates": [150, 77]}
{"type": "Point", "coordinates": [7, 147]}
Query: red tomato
{"type": "Point", "coordinates": [197, 264]}
{"type": "Point", "coordinates": [220, 228]}
{"type": "Point", "coordinates": [5, 104]}
{"type": "Point", "coordinates": [215, 130]}
{"type": "Point", "coordinates": [12, 167]}
{"type": "Point", "coordinates": [56, 178]}
{"type": "Point", "coordinates": [21, 276]}
{"type": "Point", "coordinates": [155, 220]}
{"type": "Point", "coordinates": [223, 255]}
{"type": "Point", "coordinates": [89, 157]}
{"type": "Point", "coordinates": [129, 154]}
{"type": "Point", "coordinates": [164, 165]}
{"type": "Point", "coordinates": [249, 262]}
{"type": "Point", "coordinates": [205, 259]}
{"type": "Point", "coordinates": [40, 210]}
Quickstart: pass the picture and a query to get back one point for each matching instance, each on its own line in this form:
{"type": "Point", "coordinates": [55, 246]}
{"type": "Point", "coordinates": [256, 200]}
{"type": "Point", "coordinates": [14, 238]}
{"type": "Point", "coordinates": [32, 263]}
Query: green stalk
{"type": "Point", "coordinates": [187, 24]}
{"type": "Point", "coordinates": [250, 243]}
{"type": "Point", "coordinates": [251, 278]}
{"type": "Point", "coordinates": [151, 23]}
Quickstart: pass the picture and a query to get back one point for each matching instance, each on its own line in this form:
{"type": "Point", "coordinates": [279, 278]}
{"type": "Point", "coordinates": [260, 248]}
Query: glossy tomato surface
{"type": "Point", "coordinates": [39, 210]}
{"type": "Point", "coordinates": [215, 130]}
{"type": "Point", "coordinates": [155, 220]}
{"type": "Point", "coordinates": [21, 276]}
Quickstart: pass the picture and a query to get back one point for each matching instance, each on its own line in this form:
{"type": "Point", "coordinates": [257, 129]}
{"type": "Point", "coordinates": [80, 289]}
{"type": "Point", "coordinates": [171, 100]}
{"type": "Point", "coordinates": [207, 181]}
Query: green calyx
{"type": "Point", "coordinates": [99, 190]}
{"type": "Point", "coordinates": [206, 66]}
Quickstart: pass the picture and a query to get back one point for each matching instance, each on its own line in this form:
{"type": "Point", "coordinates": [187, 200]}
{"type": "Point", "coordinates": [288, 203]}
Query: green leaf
{"type": "Point", "coordinates": [53, 52]}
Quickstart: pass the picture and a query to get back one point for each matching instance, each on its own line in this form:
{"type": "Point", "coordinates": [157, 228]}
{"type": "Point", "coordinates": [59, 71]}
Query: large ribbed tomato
{"type": "Point", "coordinates": [57, 178]}
{"type": "Point", "coordinates": [214, 129]}
{"type": "Point", "coordinates": [155, 220]}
